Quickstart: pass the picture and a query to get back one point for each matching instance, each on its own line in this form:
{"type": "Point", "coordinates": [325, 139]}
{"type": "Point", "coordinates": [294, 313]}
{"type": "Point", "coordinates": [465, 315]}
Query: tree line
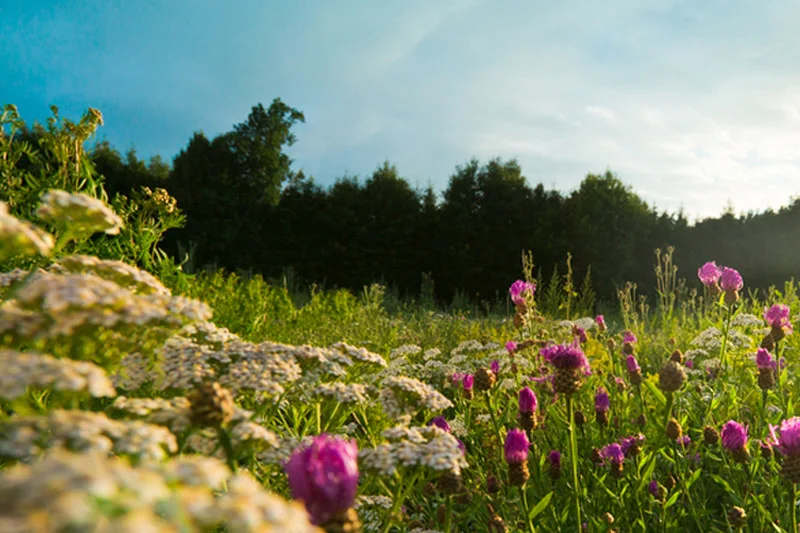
{"type": "Point", "coordinates": [247, 210]}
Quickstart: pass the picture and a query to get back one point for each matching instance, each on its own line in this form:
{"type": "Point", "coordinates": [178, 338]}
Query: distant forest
{"type": "Point", "coordinates": [247, 210]}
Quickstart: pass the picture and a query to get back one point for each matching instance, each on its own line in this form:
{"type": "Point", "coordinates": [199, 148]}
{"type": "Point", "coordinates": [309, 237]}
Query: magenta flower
{"type": "Point", "coordinates": [518, 290]}
{"type": "Point", "coordinates": [731, 280]}
{"type": "Point", "coordinates": [516, 446]}
{"type": "Point", "coordinates": [629, 337]}
{"type": "Point", "coordinates": [600, 321]}
{"type": "Point", "coordinates": [527, 400]}
{"type": "Point", "coordinates": [689, 363]}
{"type": "Point", "coordinates": [632, 364]}
{"type": "Point", "coordinates": [709, 274]}
{"type": "Point", "coordinates": [457, 378]}
{"type": "Point", "coordinates": [441, 423]}
{"type": "Point", "coordinates": [653, 488]}
{"type": "Point", "coordinates": [684, 441]}
{"type": "Point", "coordinates": [627, 443]}
{"type": "Point", "coordinates": [324, 476]}
{"type": "Point", "coordinates": [734, 436]}
{"type": "Point", "coordinates": [495, 367]}
{"type": "Point", "coordinates": [601, 401]}
{"type": "Point", "coordinates": [511, 347]}
{"type": "Point", "coordinates": [777, 317]}
{"type": "Point", "coordinates": [764, 360]}
{"type": "Point", "coordinates": [580, 334]}
{"type": "Point", "coordinates": [468, 381]}
{"type": "Point", "coordinates": [613, 453]}
{"type": "Point", "coordinates": [554, 458]}
{"type": "Point", "coordinates": [789, 441]}
{"type": "Point", "coordinates": [568, 357]}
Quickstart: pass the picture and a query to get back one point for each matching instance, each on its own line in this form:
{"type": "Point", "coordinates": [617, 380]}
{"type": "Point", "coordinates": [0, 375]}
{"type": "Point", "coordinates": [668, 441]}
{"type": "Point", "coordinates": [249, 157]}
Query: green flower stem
{"type": "Point", "coordinates": [722, 351]}
{"type": "Point", "coordinates": [526, 508]}
{"type": "Point", "coordinates": [227, 445]}
{"type": "Point", "coordinates": [794, 507]}
{"type": "Point", "coordinates": [448, 520]}
{"type": "Point", "coordinates": [495, 423]}
{"type": "Point", "coordinates": [670, 403]}
{"type": "Point", "coordinates": [573, 444]}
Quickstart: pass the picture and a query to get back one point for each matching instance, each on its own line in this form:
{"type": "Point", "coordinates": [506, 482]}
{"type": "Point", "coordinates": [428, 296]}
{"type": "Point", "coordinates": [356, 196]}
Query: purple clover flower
{"type": "Point", "coordinates": [468, 381]}
{"type": "Point", "coordinates": [600, 320]}
{"type": "Point", "coordinates": [632, 364]}
{"type": "Point", "coordinates": [527, 400]}
{"type": "Point", "coordinates": [789, 441]}
{"type": "Point", "coordinates": [734, 436]}
{"type": "Point", "coordinates": [629, 337]}
{"type": "Point", "coordinates": [731, 280]}
{"type": "Point", "coordinates": [652, 487]}
{"type": "Point", "coordinates": [324, 476]}
{"type": "Point", "coordinates": [495, 367]}
{"type": "Point", "coordinates": [627, 443]}
{"type": "Point", "coordinates": [777, 317]}
{"type": "Point", "coordinates": [511, 347]}
{"type": "Point", "coordinates": [709, 274]}
{"type": "Point", "coordinates": [764, 360]}
{"type": "Point", "coordinates": [601, 400]}
{"type": "Point", "coordinates": [613, 453]}
{"type": "Point", "coordinates": [441, 423]}
{"type": "Point", "coordinates": [554, 458]}
{"type": "Point", "coordinates": [516, 446]}
{"type": "Point", "coordinates": [518, 290]}
{"type": "Point", "coordinates": [567, 357]}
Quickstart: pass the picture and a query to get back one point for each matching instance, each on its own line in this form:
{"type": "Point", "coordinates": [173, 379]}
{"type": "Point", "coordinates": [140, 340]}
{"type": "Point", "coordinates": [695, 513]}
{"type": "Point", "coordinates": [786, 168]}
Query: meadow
{"type": "Point", "coordinates": [136, 397]}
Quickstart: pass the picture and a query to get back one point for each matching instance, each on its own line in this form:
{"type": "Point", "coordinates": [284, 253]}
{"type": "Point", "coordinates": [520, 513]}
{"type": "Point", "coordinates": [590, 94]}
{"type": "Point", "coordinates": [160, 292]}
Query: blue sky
{"type": "Point", "coordinates": [694, 104]}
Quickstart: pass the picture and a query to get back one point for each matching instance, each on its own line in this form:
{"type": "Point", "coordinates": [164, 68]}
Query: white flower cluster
{"type": "Point", "coordinates": [21, 238]}
{"type": "Point", "coordinates": [409, 447]}
{"type": "Point", "coordinates": [403, 396]}
{"type": "Point", "coordinates": [123, 274]}
{"type": "Point", "coordinates": [710, 339]}
{"type": "Point", "coordinates": [746, 320]}
{"type": "Point", "coordinates": [25, 437]}
{"type": "Point", "coordinates": [372, 511]}
{"type": "Point", "coordinates": [362, 355]}
{"type": "Point", "coordinates": [355, 393]}
{"type": "Point", "coordinates": [404, 350]}
{"type": "Point", "coordinates": [133, 373]}
{"type": "Point", "coordinates": [79, 212]}
{"type": "Point", "coordinates": [50, 305]}
{"type": "Point", "coordinates": [22, 370]}
{"type": "Point", "coordinates": [66, 491]}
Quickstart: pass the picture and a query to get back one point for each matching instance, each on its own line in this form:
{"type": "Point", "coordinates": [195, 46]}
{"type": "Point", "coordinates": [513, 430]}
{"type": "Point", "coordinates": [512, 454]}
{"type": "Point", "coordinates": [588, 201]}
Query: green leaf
{"type": "Point", "coordinates": [693, 478]}
{"type": "Point", "coordinates": [541, 506]}
{"type": "Point", "coordinates": [672, 500]}
{"type": "Point", "coordinates": [655, 392]}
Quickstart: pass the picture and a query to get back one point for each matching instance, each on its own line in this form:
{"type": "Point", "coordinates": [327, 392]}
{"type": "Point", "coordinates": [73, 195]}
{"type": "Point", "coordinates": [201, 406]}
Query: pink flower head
{"type": "Point", "coordinates": [494, 366]}
{"type": "Point", "coordinates": [689, 363]}
{"type": "Point", "coordinates": [684, 441]}
{"type": "Point", "coordinates": [777, 316]}
{"type": "Point", "coordinates": [629, 337]}
{"type": "Point", "coordinates": [511, 347]}
{"type": "Point", "coordinates": [734, 435]}
{"type": "Point", "coordinates": [554, 458]}
{"type": "Point", "coordinates": [441, 423]}
{"type": "Point", "coordinates": [601, 400]}
{"type": "Point", "coordinates": [579, 334]}
{"type": "Point", "coordinates": [628, 442]}
{"type": "Point", "coordinates": [468, 382]}
{"type": "Point", "coordinates": [567, 357]}
{"type": "Point", "coordinates": [613, 453]}
{"type": "Point", "coordinates": [600, 321]}
{"type": "Point", "coordinates": [764, 360]}
{"type": "Point", "coordinates": [527, 400]}
{"type": "Point", "coordinates": [324, 476]}
{"type": "Point", "coordinates": [457, 378]}
{"type": "Point", "coordinates": [789, 441]}
{"type": "Point", "coordinates": [516, 446]}
{"type": "Point", "coordinates": [632, 364]}
{"type": "Point", "coordinates": [518, 290]}
{"type": "Point", "coordinates": [653, 488]}
{"type": "Point", "coordinates": [709, 274]}
{"type": "Point", "coordinates": [731, 280]}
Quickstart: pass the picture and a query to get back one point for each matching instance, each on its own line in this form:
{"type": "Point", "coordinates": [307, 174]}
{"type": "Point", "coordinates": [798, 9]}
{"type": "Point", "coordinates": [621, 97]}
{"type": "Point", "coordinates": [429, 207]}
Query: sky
{"type": "Point", "coordinates": [696, 105]}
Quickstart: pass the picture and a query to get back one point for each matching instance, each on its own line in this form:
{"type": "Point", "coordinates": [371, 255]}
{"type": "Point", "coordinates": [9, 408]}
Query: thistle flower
{"type": "Point", "coordinates": [710, 435]}
{"type": "Point", "coordinates": [484, 379]}
{"type": "Point", "coordinates": [737, 517]}
{"type": "Point", "coordinates": [734, 439]}
{"type": "Point", "coordinates": [777, 317]}
{"type": "Point", "coordinates": [631, 446]}
{"type": "Point", "coordinates": [657, 490]}
{"type": "Point", "coordinates": [709, 274]}
{"type": "Point", "coordinates": [516, 454]}
{"type": "Point", "coordinates": [601, 322]}
{"type": "Point", "coordinates": [519, 289]}
{"type": "Point", "coordinates": [511, 347]}
{"type": "Point", "coordinates": [731, 282]}
{"type": "Point", "coordinates": [789, 445]}
{"type": "Point", "coordinates": [634, 370]}
{"type": "Point", "coordinates": [579, 334]}
{"type": "Point", "coordinates": [601, 405]}
{"type": "Point", "coordinates": [629, 337]}
{"type": "Point", "coordinates": [441, 423]}
{"type": "Point", "coordinates": [527, 408]}
{"type": "Point", "coordinates": [468, 382]}
{"type": "Point", "coordinates": [495, 367]}
{"type": "Point", "coordinates": [614, 455]}
{"type": "Point", "coordinates": [325, 477]}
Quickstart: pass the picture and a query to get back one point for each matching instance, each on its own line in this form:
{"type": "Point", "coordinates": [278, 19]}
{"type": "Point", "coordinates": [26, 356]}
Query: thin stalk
{"type": "Point", "coordinates": [794, 507]}
{"type": "Point", "coordinates": [227, 445]}
{"type": "Point", "coordinates": [526, 508]}
{"type": "Point", "coordinates": [723, 359]}
{"type": "Point", "coordinates": [573, 444]}
{"type": "Point", "coordinates": [496, 425]}
{"type": "Point", "coordinates": [448, 521]}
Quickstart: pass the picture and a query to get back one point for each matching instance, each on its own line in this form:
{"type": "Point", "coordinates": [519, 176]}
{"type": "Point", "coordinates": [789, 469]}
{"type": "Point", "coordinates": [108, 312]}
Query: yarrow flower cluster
{"type": "Point", "coordinates": [403, 396]}
{"type": "Point", "coordinates": [410, 447]}
{"type": "Point", "coordinates": [80, 213]}
{"type": "Point", "coordinates": [21, 238]}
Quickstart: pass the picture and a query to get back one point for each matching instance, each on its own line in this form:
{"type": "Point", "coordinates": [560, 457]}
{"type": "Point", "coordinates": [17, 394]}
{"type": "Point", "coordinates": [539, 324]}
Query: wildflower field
{"type": "Point", "coordinates": [134, 402]}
